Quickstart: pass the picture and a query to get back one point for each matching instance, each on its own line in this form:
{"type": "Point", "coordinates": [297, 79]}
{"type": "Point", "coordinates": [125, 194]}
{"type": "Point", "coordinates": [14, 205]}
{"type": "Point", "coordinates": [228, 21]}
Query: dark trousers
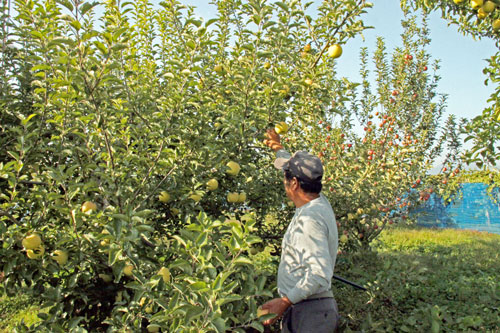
{"type": "Point", "coordinates": [311, 316]}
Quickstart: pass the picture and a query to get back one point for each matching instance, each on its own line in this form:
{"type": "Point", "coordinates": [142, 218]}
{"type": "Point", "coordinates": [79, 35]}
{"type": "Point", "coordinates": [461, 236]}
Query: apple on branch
{"type": "Point", "coordinates": [335, 51]}
{"type": "Point", "coordinates": [88, 207]}
{"type": "Point", "coordinates": [234, 168]}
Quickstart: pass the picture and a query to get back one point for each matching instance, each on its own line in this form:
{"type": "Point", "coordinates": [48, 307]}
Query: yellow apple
{"type": "Point", "coordinates": [212, 184]}
{"type": "Point", "coordinates": [234, 168]}
{"type": "Point", "coordinates": [164, 196]}
{"type": "Point", "coordinates": [489, 7]}
{"type": "Point", "coordinates": [496, 24]}
{"type": "Point", "coordinates": [88, 207]}
{"type": "Point", "coordinates": [195, 197]}
{"type": "Point", "coordinates": [149, 309]}
{"type": "Point", "coordinates": [35, 253]}
{"type": "Point", "coordinates": [481, 14]}
{"type": "Point", "coordinates": [267, 65]}
{"type": "Point", "coordinates": [308, 82]}
{"type": "Point", "coordinates": [60, 256]}
{"type": "Point", "coordinates": [307, 48]}
{"type": "Point", "coordinates": [218, 68]}
{"type": "Point", "coordinates": [261, 312]}
{"type": "Point", "coordinates": [285, 90]}
{"type": "Point", "coordinates": [242, 197]}
{"type": "Point", "coordinates": [233, 197]}
{"type": "Point", "coordinates": [32, 242]}
{"type": "Point", "coordinates": [106, 278]}
{"type": "Point", "coordinates": [128, 270]}
{"type": "Point", "coordinates": [165, 274]}
{"type": "Point", "coordinates": [476, 4]}
{"type": "Point", "coordinates": [281, 128]}
{"type": "Point", "coordinates": [335, 51]}
{"type": "Point", "coordinates": [217, 125]}
{"type": "Point", "coordinates": [343, 239]}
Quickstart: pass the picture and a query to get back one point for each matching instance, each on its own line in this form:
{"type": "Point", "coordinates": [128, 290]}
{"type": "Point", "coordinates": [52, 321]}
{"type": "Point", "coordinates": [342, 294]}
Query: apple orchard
{"type": "Point", "coordinates": [136, 191]}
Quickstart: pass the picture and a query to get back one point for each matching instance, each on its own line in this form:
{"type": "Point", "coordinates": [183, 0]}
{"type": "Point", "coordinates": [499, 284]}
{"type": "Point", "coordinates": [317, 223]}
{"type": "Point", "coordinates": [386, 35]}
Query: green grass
{"type": "Point", "coordinates": [424, 280]}
{"type": "Point", "coordinates": [16, 309]}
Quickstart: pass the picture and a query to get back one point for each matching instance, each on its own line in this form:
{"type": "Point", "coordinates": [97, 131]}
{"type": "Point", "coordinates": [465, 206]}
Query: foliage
{"type": "Point", "coordinates": [420, 278]}
{"type": "Point", "coordinates": [483, 130]}
{"type": "Point", "coordinates": [423, 280]}
{"type": "Point", "coordinates": [112, 125]}
{"type": "Point", "coordinates": [480, 176]}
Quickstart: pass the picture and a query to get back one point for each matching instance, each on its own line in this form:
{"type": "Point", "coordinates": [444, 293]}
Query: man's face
{"type": "Point", "coordinates": [289, 187]}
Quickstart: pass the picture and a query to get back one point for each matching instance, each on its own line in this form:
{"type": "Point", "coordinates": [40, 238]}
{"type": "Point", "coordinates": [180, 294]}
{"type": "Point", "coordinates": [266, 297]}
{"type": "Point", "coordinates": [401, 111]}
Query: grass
{"type": "Point", "coordinates": [424, 280]}
{"type": "Point", "coordinates": [419, 280]}
{"type": "Point", "coordinates": [16, 309]}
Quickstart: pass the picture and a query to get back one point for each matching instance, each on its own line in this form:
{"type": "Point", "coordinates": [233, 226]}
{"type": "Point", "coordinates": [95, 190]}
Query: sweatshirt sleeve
{"type": "Point", "coordinates": [311, 242]}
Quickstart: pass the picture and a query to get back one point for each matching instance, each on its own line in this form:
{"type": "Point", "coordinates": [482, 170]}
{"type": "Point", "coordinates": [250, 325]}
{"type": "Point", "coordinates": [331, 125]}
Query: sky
{"type": "Point", "coordinates": [462, 58]}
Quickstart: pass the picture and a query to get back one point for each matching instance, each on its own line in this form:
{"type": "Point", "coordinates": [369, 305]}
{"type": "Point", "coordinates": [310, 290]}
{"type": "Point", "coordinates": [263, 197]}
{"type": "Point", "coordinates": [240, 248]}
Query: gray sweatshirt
{"type": "Point", "coordinates": [309, 251]}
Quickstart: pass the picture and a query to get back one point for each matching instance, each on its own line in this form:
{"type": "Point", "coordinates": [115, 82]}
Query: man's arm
{"type": "Point", "coordinates": [277, 306]}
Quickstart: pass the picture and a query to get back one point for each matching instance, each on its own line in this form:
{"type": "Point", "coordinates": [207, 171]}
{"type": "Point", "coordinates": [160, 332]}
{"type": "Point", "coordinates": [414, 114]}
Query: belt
{"type": "Point", "coordinates": [324, 294]}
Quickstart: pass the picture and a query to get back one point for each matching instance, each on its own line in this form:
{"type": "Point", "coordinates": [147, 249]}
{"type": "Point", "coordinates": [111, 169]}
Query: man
{"type": "Point", "coordinates": [309, 248]}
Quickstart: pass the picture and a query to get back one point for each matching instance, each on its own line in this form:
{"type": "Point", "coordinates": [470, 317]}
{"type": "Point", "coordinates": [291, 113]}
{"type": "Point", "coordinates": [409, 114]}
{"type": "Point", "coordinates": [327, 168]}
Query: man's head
{"type": "Point", "coordinates": [303, 171]}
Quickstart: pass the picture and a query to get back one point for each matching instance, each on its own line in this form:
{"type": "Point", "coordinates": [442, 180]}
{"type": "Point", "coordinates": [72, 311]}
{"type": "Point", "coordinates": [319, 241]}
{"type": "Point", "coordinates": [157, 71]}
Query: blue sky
{"type": "Point", "coordinates": [462, 58]}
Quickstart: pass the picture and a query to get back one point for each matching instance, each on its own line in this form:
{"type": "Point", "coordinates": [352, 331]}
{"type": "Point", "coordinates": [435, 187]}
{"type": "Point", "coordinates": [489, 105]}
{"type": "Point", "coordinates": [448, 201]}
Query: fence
{"type": "Point", "coordinates": [475, 209]}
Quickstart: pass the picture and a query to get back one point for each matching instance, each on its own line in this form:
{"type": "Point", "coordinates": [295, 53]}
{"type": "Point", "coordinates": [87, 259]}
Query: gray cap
{"type": "Point", "coordinates": [302, 165]}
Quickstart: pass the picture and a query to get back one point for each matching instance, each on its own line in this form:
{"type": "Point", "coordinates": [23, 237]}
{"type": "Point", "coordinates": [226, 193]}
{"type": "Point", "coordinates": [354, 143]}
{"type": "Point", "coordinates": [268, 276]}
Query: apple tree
{"type": "Point", "coordinates": [378, 143]}
{"type": "Point", "coordinates": [135, 187]}
{"type": "Point", "coordinates": [478, 19]}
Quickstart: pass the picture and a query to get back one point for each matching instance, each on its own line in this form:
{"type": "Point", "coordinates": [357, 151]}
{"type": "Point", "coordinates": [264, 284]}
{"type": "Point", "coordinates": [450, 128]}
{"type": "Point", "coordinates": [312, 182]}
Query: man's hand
{"type": "Point", "coordinates": [277, 306]}
{"type": "Point", "coordinates": [273, 140]}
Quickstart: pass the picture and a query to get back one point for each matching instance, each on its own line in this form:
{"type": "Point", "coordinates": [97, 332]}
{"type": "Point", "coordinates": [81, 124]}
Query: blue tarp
{"type": "Point", "coordinates": [475, 210]}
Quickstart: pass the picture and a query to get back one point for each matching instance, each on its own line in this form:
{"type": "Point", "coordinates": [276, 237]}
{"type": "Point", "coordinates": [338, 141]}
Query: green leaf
{"type": "Point", "coordinates": [87, 6]}
{"type": "Point", "coordinates": [242, 260]}
{"type": "Point", "coordinates": [119, 47]}
{"type": "Point", "coordinates": [202, 239]}
{"type": "Point", "coordinates": [192, 312]}
{"type": "Point", "coordinates": [73, 323]}
{"type": "Point", "coordinates": [66, 4]}
{"type": "Point", "coordinates": [191, 44]}
{"type": "Point", "coordinates": [36, 34]}
{"type": "Point", "coordinates": [268, 24]}
{"type": "Point", "coordinates": [283, 6]}
{"type": "Point", "coordinates": [117, 228]}
{"type": "Point", "coordinates": [220, 324]}
{"type": "Point", "coordinates": [27, 119]}
{"type": "Point", "coordinates": [228, 299]}
{"type": "Point", "coordinates": [114, 253]}
{"type": "Point", "coordinates": [257, 325]}
{"type": "Point", "coordinates": [101, 47]}
{"type": "Point", "coordinates": [198, 285]}
{"type": "Point", "coordinates": [75, 24]}
{"type": "Point", "coordinates": [195, 22]}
